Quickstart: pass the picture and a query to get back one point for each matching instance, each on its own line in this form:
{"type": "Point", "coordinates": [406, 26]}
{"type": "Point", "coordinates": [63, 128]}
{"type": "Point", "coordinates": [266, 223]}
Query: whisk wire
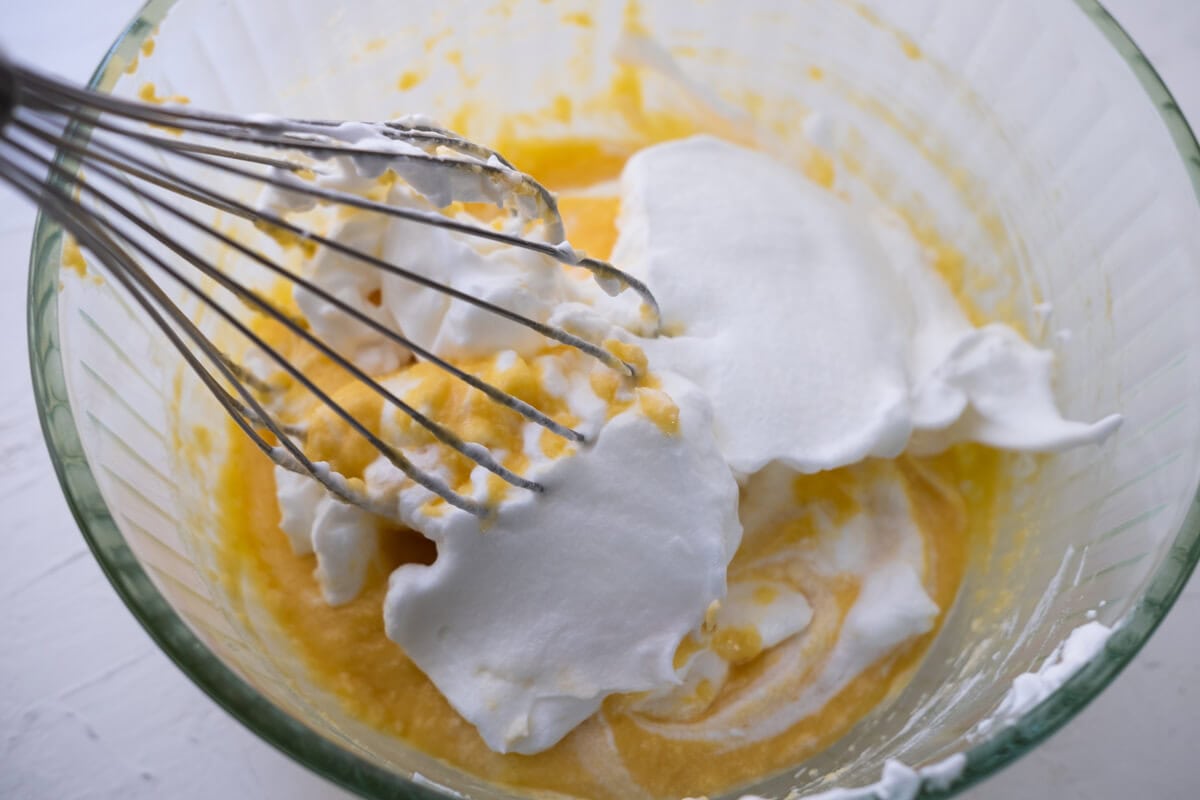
{"type": "Point", "coordinates": [495, 394]}
{"type": "Point", "coordinates": [87, 230]}
{"type": "Point", "coordinates": [236, 376]}
{"type": "Point", "coordinates": [251, 297]}
{"type": "Point", "coordinates": [252, 132]}
{"type": "Point", "coordinates": [151, 173]}
{"type": "Point", "coordinates": [84, 127]}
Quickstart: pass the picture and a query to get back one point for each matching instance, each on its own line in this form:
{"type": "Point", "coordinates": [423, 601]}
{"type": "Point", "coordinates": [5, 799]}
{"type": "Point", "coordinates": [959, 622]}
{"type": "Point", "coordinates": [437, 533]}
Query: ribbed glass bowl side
{"type": "Point", "coordinates": [1009, 743]}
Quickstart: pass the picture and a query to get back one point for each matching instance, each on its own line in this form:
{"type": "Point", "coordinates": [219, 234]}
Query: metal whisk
{"type": "Point", "coordinates": [61, 146]}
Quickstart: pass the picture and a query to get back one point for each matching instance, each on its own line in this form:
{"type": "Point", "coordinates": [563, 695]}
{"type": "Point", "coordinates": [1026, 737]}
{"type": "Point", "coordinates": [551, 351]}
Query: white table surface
{"type": "Point", "coordinates": [89, 707]}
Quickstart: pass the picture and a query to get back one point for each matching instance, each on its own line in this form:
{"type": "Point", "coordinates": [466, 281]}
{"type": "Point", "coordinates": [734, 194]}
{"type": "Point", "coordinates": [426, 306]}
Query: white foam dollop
{"type": "Point", "coordinates": [782, 614]}
{"type": "Point", "coordinates": [515, 279]}
{"type": "Point", "coordinates": [780, 309]}
{"type": "Point", "coordinates": [343, 537]}
{"type": "Point", "coordinates": [987, 384]}
{"type": "Point", "coordinates": [900, 781]}
{"type": "Point", "coordinates": [297, 496]}
{"type": "Point", "coordinates": [520, 281]}
{"type": "Point", "coordinates": [353, 282]}
{"type": "Point", "coordinates": [527, 624]}
{"type": "Point", "coordinates": [891, 607]}
{"type": "Point", "coordinates": [1031, 688]}
{"type": "Point", "coordinates": [820, 334]}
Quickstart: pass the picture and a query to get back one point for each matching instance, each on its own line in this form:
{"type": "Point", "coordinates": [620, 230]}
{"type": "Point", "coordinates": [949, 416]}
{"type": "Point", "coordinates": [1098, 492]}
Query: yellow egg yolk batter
{"type": "Point", "coordinates": [612, 755]}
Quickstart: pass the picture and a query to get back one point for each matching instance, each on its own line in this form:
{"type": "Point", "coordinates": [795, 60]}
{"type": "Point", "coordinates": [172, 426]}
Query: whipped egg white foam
{"type": "Point", "coordinates": [820, 335]}
{"type": "Point", "coordinates": [629, 545]}
{"type": "Point", "coordinates": [803, 334]}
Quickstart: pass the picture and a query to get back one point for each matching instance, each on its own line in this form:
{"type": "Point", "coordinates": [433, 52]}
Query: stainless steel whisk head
{"type": "Point", "coordinates": [105, 168]}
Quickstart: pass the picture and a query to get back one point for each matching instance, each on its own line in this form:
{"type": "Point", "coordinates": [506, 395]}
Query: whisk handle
{"type": "Point", "coordinates": [8, 90]}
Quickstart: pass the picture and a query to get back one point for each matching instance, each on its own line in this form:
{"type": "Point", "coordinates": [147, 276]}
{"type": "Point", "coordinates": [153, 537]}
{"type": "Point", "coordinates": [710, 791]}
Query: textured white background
{"type": "Point", "coordinates": [89, 708]}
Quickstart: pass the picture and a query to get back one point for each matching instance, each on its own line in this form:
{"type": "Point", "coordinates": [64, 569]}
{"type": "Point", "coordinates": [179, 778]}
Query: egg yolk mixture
{"type": "Point", "coordinates": [615, 753]}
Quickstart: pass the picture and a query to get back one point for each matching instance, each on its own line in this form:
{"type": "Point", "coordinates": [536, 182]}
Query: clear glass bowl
{"type": "Point", "coordinates": [1042, 118]}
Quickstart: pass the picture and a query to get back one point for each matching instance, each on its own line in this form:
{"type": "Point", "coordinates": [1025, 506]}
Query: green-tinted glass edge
{"type": "Point", "coordinates": [1010, 743]}
{"type": "Point", "coordinates": [349, 770]}
{"type": "Point", "coordinates": [1134, 630]}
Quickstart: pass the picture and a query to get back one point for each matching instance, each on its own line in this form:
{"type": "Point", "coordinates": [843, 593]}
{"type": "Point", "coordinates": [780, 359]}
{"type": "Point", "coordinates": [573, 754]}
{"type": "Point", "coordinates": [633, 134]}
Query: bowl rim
{"type": "Point", "coordinates": [343, 766]}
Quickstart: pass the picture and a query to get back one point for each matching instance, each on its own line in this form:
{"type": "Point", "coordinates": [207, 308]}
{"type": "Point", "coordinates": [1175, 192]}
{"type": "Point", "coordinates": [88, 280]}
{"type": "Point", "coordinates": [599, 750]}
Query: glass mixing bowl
{"type": "Point", "coordinates": [1032, 135]}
